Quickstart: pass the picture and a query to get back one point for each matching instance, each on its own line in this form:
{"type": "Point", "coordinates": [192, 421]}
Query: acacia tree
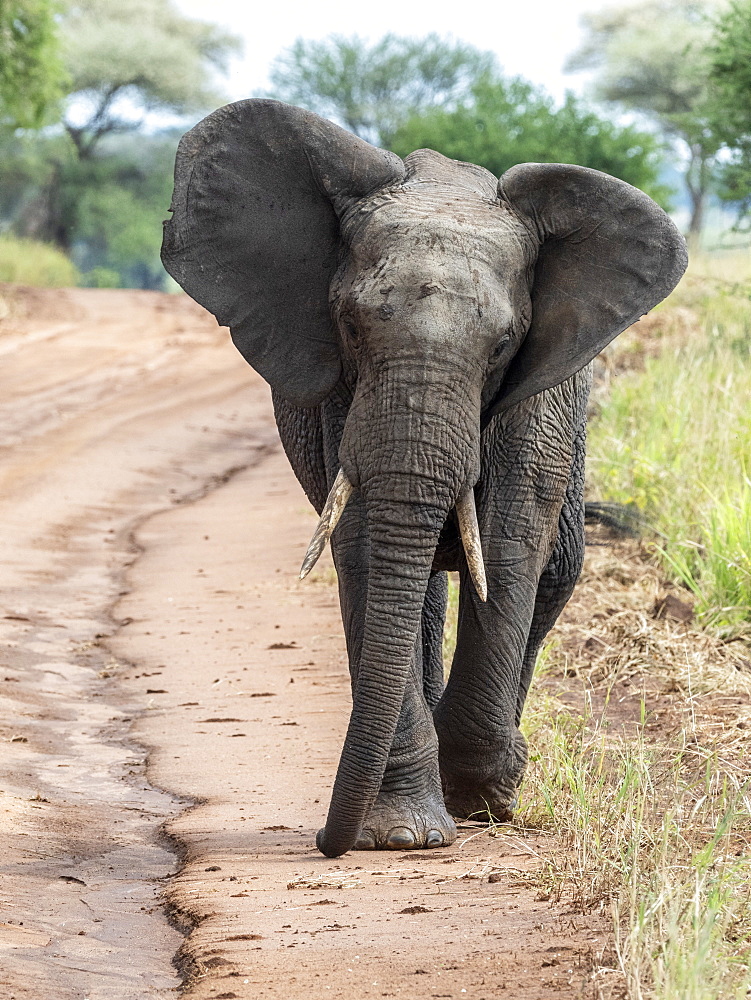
{"type": "Point", "coordinates": [31, 70]}
{"type": "Point", "coordinates": [132, 57]}
{"type": "Point", "coordinates": [651, 57]}
{"type": "Point", "coordinates": [123, 60]}
{"type": "Point", "coordinates": [730, 54]}
{"type": "Point", "coordinates": [372, 88]}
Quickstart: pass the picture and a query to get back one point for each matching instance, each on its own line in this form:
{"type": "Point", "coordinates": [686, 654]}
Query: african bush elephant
{"type": "Point", "coordinates": [426, 331]}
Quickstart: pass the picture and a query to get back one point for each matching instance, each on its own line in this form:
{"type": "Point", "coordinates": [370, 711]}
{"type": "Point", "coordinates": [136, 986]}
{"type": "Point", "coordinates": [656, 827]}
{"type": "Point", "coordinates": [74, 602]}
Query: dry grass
{"type": "Point", "coordinates": [671, 436]}
{"type": "Point", "coordinates": [625, 627]}
{"type": "Point", "coordinates": [640, 730]}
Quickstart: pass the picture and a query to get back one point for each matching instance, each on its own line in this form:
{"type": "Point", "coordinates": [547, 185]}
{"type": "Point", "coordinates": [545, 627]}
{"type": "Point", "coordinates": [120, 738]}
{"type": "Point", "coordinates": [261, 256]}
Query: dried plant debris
{"type": "Point", "coordinates": [628, 625]}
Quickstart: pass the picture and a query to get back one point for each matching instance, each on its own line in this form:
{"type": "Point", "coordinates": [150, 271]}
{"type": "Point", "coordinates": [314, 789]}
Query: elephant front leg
{"type": "Point", "coordinates": [409, 811]}
{"type": "Point", "coordinates": [483, 755]}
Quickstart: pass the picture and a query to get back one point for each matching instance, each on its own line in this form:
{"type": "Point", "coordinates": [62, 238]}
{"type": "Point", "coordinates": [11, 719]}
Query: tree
{"type": "Point", "coordinates": [31, 70]}
{"type": "Point", "coordinates": [730, 55]}
{"type": "Point", "coordinates": [371, 89]}
{"type": "Point", "coordinates": [120, 209]}
{"type": "Point", "coordinates": [511, 121]}
{"type": "Point", "coordinates": [99, 187]}
{"type": "Point", "coordinates": [651, 57]}
{"type": "Point", "coordinates": [132, 57]}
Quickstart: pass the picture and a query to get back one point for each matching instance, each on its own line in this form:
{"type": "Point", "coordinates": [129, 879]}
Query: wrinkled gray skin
{"type": "Point", "coordinates": [427, 329]}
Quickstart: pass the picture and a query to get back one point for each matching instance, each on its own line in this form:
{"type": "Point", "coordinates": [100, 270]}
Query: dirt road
{"type": "Point", "coordinates": [164, 670]}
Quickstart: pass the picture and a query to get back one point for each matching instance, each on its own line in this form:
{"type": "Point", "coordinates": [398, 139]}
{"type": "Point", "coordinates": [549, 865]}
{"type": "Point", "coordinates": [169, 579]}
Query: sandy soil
{"type": "Point", "coordinates": [164, 670]}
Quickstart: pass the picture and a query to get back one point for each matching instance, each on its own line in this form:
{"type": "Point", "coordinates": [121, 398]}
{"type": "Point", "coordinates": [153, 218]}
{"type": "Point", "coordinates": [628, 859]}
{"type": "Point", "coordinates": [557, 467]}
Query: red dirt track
{"type": "Point", "coordinates": [165, 670]}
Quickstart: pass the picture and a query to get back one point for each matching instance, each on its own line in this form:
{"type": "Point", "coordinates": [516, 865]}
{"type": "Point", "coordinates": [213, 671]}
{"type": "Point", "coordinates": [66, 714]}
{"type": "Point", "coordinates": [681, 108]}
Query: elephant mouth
{"type": "Point", "coordinates": [466, 513]}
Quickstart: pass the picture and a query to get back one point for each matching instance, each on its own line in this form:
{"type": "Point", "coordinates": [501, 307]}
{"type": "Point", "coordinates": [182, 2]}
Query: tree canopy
{"type": "Point", "coordinates": [372, 88]}
{"type": "Point", "coordinates": [730, 55]}
{"type": "Point", "coordinates": [136, 56]}
{"type": "Point", "coordinates": [31, 70]}
{"type": "Point", "coordinates": [99, 186]}
{"type": "Point", "coordinates": [651, 57]}
{"type": "Point", "coordinates": [511, 121]}
{"type": "Point", "coordinates": [407, 93]}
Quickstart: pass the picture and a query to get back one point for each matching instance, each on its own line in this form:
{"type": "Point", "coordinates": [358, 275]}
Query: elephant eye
{"type": "Point", "coordinates": [353, 334]}
{"type": "Point", "coordinates": [499, 348]}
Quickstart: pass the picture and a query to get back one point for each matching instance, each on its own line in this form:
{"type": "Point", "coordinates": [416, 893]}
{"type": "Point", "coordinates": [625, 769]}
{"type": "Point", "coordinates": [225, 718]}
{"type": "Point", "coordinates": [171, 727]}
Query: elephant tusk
{"type": "Point", "coordinates": [470, 532]}
{"type": "Point", "coordinates": [333, 509]}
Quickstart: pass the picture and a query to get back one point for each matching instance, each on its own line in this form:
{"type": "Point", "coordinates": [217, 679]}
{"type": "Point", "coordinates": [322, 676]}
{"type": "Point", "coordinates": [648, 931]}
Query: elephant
{"type": "Point", "coordinates": [427, 333]}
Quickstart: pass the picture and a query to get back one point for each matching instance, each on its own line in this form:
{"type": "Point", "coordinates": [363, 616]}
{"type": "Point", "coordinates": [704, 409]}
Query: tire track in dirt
{"type": "Point", "coordinates": [128, 408]}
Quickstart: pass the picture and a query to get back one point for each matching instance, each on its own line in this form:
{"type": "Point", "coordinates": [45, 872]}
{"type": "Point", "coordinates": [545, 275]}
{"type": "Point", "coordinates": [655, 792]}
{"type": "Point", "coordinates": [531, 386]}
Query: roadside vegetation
{"type": "Point", "coordinates": [655, 831]}
{"type": "Point", "coordinates": [655, 818]}
{"type": "Point", "coordinates": [639, 727]}
{"type": "Point", "coordinates": [30, 262]}
{"type": "Point", "coordinates": [673, 439]}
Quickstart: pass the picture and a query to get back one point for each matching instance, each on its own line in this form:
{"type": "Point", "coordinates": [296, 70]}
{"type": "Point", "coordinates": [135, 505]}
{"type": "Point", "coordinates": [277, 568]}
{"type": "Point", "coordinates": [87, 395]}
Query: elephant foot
{"type": "Point", "coordinates": [481, 782]}
{"type": "Point", "coordinates": [405, 822]}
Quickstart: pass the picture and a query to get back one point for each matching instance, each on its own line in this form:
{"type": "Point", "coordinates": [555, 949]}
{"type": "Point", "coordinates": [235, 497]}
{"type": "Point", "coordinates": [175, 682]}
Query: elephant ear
{"type": "Point", "coordinates": [608, 254]}
{"type": "Point", "coordinates": [254, 234]}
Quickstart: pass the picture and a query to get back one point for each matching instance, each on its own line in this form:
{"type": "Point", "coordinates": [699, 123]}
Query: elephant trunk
{"type": "Point", "coordinates": [396, 591]}
{"type": "Point", "coordinates": [411, 465]}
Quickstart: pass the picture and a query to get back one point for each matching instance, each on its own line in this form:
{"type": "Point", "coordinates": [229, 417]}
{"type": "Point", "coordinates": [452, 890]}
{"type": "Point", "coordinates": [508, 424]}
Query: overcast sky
{"type": "Point", "coordinates": [530, 37]}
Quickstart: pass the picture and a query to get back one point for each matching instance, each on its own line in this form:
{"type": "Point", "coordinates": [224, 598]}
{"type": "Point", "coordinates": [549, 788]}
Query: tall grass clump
{"type": "Point", "coordinates": [656, 833]}
{"type": "Point", "coordinates": [673, 439]}
{"type": "Point", "coordinates": [29, 262]}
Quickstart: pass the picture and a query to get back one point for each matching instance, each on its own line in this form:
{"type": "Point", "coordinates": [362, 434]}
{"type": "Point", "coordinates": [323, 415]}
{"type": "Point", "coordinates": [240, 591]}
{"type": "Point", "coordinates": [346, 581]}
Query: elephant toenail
{"type": "Point", "coordinates": [366, 841]}
{"type": "Point", "coordinates": [434, 839]}
{"type": "Point", "coordinates": [400, 839]}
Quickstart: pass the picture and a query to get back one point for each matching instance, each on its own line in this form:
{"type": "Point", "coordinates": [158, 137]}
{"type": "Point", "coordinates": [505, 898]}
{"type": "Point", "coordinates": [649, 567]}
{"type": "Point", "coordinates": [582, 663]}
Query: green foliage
{"type": "Point", "coordinates": [409, 93]}
{"type": "Point", "coordinates": [511, 121]}
{"type": "Point", "coordinates": [31, 71]}
{"type": "Point", "coordinates": [106, 209]}
{"type": "Point", "coordinates": [97, 189]}
{"type": "Point", "coordinates": [121, 198]}
{"type": "Point", "coordinates": [730, 53]}
{"type": "Point", "coordinates": [675, 439]}
{"type": "Point", "coordinates": [370, 89]}
{"type": "Point", "coordinates": [651, 57]}
{"type": "Point", "coordinates": [28, 262]}
{"type": "Point", "coordinates": [101, 277]}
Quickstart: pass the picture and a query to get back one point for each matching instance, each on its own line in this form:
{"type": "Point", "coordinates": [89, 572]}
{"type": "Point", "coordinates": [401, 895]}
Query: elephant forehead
{"type": "Point", "coordinates": [448, 231]}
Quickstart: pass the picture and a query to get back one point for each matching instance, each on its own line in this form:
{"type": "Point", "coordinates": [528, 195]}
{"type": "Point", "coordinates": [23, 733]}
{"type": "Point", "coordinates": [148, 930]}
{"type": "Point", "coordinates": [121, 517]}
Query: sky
{"type": "Point", "coordinates": [531, 38]}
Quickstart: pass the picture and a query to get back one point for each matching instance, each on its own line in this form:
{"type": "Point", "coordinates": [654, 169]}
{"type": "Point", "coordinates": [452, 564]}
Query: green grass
{"type": "Point", "coordinates": [28, 262]}
{"type": "Point", "coordinates": [658, 834]}
{"type": "Point", "coordinates": [673, 439]}
{"type": "Point", "coordinates": [449, 629]}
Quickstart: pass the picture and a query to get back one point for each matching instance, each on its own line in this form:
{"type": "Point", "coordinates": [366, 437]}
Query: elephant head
{"type": "Point", "coordinates": [439, 295]}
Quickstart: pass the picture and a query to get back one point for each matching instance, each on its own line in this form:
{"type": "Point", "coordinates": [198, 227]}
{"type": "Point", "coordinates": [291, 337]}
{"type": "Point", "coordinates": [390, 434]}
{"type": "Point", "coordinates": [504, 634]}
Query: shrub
{"type": "Point", "coordinates": [27, 262]}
